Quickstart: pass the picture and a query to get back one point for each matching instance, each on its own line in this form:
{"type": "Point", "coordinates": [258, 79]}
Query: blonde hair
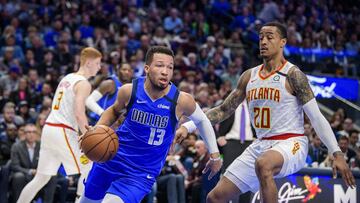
{"type": "Point", "coordinates": [89, 53]}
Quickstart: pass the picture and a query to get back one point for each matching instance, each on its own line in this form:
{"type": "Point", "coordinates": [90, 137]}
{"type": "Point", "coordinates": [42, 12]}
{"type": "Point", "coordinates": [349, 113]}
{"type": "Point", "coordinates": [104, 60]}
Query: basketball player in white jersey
{"type": "Point", "coordinates": [277, 93]}
{"type": "Point", "coordinates": [59, 139]}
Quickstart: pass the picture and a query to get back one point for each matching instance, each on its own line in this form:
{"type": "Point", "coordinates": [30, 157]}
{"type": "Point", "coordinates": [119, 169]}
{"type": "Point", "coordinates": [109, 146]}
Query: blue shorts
{"type": "Point", "coordinates": [130, 188]}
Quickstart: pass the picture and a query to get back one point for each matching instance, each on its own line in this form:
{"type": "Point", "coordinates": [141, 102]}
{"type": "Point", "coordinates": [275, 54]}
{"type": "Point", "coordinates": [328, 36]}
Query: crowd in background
{"type": "Point", "coordinates": [214, 41]}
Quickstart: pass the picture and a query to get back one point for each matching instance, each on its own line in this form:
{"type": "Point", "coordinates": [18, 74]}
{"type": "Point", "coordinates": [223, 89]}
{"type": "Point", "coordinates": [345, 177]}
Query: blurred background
{"type": "Point", "coordinates": [214, 41]}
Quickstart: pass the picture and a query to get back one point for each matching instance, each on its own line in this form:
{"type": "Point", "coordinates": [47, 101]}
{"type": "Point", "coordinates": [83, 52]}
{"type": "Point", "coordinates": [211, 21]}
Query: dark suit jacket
{"type": "Point", "coordinates": [198, 166]}
{"type": "Point", "coordinates": [20, 158]}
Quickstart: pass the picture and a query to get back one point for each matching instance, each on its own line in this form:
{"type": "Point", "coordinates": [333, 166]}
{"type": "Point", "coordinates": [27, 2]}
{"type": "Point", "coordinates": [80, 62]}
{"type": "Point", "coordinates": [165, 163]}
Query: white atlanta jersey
{"type": "Point", "coordinates": [273, 110]}
{"type": "Point", "coordinates": [62, 109]}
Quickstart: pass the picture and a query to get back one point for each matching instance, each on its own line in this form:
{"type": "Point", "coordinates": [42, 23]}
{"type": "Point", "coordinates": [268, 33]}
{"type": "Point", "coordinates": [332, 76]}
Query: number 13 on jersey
{"type": "Point", "coordinates": [156, 136]}
{"type": "Point", "coordinates": [262, 117]}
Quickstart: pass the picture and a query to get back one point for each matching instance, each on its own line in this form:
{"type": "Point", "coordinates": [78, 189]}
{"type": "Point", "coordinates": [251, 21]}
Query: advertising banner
{"type": "Point", "coordinates": [324, 87]}
{"type": "Point", "coordinates": [314, 186]}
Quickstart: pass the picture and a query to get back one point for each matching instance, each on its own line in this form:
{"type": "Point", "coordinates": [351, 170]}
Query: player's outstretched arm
{"type": "Point", "coordinates": [109, 116]}
{"type": "Point", "coordinates": [301, 88]}
{"type": "Point", "coordinates": [231, 102]}
{"type": "Point", "coordinates": [82, 90]}
{"type": "Point", "coordinates": [106, 86]}
{"type": "Point", "coordinates": [188, 107]}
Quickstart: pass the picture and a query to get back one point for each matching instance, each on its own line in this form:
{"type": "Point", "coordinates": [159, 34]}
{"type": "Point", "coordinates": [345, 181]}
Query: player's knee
{"type": "Point", "coordinates": [214, 196]}
{"type": "Point", "coordinates": [263, 168]}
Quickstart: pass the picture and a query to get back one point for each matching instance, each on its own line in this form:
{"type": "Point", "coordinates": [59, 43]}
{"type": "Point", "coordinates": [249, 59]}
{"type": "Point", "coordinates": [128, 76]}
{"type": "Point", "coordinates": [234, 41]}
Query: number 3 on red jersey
{"type": "Point", "coordinates": [262, 117]}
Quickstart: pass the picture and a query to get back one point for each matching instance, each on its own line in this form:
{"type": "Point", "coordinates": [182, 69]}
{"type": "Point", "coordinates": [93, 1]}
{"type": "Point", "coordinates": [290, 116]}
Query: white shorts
{"type": "Point", "coordinates": [59, 145]}
{"type": "Point", "coordinates": [242, 170]}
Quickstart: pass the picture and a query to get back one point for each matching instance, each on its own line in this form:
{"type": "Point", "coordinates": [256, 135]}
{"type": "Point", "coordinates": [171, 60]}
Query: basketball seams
{"type": "Point", "coordinates": [99, 151]}
{"type": "Point", "coordinates": [96, 145]}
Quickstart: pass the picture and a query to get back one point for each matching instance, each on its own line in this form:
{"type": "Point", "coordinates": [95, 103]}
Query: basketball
{"type": "Point", "coordinates": [100, 143]}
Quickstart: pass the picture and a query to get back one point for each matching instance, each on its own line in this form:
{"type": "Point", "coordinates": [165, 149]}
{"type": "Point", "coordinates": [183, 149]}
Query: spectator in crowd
{"type": "Point", "coordinates": [347, 126]}
{"type": "Point", "coordinates": [6, 141]}
{"type": "Point", "coordinates": [49, 64]}
{"type": "Point", "coordinates": [309, 131]}
{"type": "Point", "coordinates": [344, 146]}
{"type": "Point", "coordinates": [317, 153]}
{"type": "Point", "coordinates": [172, 23]}
{"type": "Point", "coordinates": [171, 181]}
{"type": "Point", "coordinates": [354, 140]}
{"type": "Point", "coordinates": [9, 117]}
{"type": "Point", "coordinates": [22, 93]}
{"type": "Point", "coordinates": [187, 152]}
{"type": "Point", "coordinates": [194, 183]}
{"type": "Point", "coordinates": [10, 81]}
{"type": "Point", "coordinates": [24, 159]}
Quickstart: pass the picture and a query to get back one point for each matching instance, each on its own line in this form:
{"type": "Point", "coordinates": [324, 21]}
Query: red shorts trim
{"type": "Point", "coordinates": [60, 125]}
{"type": "Point", "coordinates": [282, 136]}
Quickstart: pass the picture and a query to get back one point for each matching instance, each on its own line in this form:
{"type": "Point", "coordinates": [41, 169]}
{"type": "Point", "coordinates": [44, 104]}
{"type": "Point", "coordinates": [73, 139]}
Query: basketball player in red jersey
{"type": "Point", "coordinates": [277, 93]}
{"type": "Point", "coordinates": [59, 139]}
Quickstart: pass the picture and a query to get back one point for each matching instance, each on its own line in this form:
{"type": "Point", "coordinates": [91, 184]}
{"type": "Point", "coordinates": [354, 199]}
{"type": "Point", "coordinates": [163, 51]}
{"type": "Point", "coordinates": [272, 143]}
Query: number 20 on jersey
{"type": "Point", "coordinates": [262, 117]}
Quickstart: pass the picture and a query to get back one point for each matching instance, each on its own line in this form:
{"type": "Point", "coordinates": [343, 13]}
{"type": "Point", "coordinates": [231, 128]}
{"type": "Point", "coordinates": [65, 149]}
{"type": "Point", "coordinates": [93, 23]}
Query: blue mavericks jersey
{"type": "Point", "coordinates": [107, 99]}
{"type": "Point", "coordinates": [146, 134]}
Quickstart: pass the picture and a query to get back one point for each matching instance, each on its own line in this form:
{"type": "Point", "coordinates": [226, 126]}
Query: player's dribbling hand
{"type": "Point", "coordinates": [87, 128]}
{"type": "Point", "coordinates": [339, 164]}
{"type": "Point", "coordinates": [214, 165]}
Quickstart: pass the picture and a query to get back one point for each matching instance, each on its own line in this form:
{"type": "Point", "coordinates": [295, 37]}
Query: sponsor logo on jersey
{"type": "Point", "coordinates": [295, 148]}
{"type": "Point", "coordinates": [276, 78]}
{"type": "Point", "coordinates": [141, 101]}
{"type": "Point", "coordinates": [162, 106]}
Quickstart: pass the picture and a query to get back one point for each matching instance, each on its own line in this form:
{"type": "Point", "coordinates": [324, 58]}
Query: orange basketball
{"type": "Point", "coordinates": [100, 143]}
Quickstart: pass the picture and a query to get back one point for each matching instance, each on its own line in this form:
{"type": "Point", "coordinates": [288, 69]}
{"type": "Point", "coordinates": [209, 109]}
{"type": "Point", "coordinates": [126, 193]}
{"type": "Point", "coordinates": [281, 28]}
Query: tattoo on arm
{"type": "Point", "coordinates": [223, 111]}
{"type": "Point", "coordinates": [299, 83]}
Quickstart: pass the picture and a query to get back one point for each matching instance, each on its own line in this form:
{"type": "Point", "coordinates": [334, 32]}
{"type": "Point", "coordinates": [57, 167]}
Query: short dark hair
{"type": "Point", "coordinates": [344, 138]}
{"type": "Point", "coordinates": [281, 28]}
{"type": "Point", "coordinates": [157, 50]}
{"type": "Point", "coordinates": [353, 131]}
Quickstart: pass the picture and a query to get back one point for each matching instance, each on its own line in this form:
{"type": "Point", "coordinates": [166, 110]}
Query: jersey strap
{"type": "Point", "coordinates": [173, 106]}
{"type": "Point", "coordinates": [133, 94]}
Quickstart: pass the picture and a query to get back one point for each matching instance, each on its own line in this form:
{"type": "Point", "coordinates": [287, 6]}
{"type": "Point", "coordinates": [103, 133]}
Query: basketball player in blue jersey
{"type": "Point", "coordinates": [105, 95]}
{"type": "Point", "coordinates": [153, 106]}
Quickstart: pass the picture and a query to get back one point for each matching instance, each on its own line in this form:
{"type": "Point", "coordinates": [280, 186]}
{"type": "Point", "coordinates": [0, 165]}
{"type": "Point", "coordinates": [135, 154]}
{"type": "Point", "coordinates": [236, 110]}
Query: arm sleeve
{"type": "Point", "coordinates": [206, 130]}
{"type": "Point", "coordinates": [91, 102]}
{"type": "Point", "coordinates": [321, 126]}
{"type": "Point", "coordinates": [190, 126]}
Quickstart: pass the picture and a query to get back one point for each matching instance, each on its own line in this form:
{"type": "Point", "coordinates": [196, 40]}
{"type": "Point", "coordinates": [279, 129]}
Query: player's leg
{"type": "Point", "coordinates": [266, 166]}
{"type": "Point", "coordinates": [48, 166]}
{"type": "Point", "coordinates": [224, 191]}
{"type": "Point", "coordinates": [130, 189]}
{"type": "Point", "coordinates": [97, 184]}
{"type": "Point", "coordinates": [110, 198]}
{"type": "Point", "coordinates": [74, 161]}
{"type": "Point", "coordinates": [293, 154]}
{"type": "Point", "coordinates": [84, 199]}
{"type": "Point", "coordinates": [85, 169]}
{"type": "Point", "coordinates": [239, 177]}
